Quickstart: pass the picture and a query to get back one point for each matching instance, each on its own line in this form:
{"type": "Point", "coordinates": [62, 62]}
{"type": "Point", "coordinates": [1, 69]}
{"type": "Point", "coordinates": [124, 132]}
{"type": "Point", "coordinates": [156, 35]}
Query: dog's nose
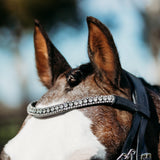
{"type": "Point", "coordinates": [4, 156]}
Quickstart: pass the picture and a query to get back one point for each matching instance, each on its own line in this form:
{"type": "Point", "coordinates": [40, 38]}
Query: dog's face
{"type": "Point", "coordinates": [96, 132]}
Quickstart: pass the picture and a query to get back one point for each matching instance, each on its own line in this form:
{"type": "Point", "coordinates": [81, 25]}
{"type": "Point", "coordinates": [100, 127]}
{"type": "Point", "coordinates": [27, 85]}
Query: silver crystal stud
{"type": "Point", "coordinates": [85, 101]}
{"type": "Point", "coordinates": [76, 103]}
{"type": "Point", "coordinates": [66, 105]}
{"type": "Point", "coordinates": [40, 111]}
{"type": "Point", "coordinates": [90, 100]}
{"type": "Point", "coordinates": [95, 99]}
{"type": "Point", "coordinates": [111, 98]}
{"type": "Point", "coordinates": [56, 108]}
{"type": "Point", "coordinates": [80, 102]}
{"type": "Point", "coordinates": [71, 104]}
{"type": "Point", "coordinates": [61, 106]}
{"type": "Point", "coordinates": [52, 109]}
{"type": "Point", "coordinates": [105, 98]}
{"type": "Point", "coordinates": [48, 110]}
{"type": "Point", "coordinates": [60, 110]}
{"type": "Point", "coordinates": [36, 110]}
{"type": "Point", "coordinates": [100, 99]}
{"type": "Point", "coordinates": [44, 111]}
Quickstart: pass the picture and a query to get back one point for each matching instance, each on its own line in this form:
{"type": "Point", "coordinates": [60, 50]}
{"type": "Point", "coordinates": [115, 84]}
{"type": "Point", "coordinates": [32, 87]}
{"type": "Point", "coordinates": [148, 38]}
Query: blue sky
{"type": "Point", "coordinates": [134, 54]}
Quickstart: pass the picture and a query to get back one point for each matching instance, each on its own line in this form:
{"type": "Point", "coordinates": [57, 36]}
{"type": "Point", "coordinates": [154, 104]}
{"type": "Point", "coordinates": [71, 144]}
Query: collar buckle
{"type": "Point", "coordinates": [128, 156]}
{"type": "Point", "coordinates": [146, 156]}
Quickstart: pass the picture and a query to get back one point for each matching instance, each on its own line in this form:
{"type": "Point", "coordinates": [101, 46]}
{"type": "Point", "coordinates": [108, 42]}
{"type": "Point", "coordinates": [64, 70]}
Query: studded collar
{"type": "Point", "coordinates": [68, 106]}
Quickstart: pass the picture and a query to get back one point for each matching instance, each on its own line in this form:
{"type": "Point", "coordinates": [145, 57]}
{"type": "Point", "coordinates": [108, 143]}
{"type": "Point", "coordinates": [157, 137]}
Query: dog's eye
{"type": "Point", "coordinates": [74, 77]}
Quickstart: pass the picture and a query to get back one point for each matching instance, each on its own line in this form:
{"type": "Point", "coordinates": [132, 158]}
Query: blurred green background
{"type": "Point", "coordinates": [135, 26]}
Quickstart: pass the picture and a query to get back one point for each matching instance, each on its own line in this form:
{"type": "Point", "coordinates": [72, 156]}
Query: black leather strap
{"type": "Point", "coordinates": [140, 94]}
{"type": "Point", "coordinates": [125, 104]}
{"type": "Point", "coordinates": [142, 100]}
{"type": "Point", "coordinates": [140, 118]}
{"type": "Point", "coordinates": [132, 134]}
{"type": "Point", "coordinates": [141, 145]}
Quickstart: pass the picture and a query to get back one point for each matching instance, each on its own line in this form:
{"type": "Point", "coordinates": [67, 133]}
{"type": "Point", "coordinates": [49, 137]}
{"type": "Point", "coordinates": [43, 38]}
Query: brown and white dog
{"type": "Point", "coordinates": [93, 133]}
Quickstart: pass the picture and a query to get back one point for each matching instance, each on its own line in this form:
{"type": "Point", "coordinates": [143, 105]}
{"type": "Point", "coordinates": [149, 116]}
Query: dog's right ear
{"type": "Point", "coordinates": [103, 52]}
{"type": "Point", "coordinates": [50, 63]}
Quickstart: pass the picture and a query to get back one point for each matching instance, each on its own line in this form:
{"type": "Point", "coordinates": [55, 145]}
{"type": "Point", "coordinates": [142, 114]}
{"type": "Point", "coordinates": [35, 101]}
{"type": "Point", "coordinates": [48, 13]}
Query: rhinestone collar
{"type": "Point", "coordinates": [68, 106]}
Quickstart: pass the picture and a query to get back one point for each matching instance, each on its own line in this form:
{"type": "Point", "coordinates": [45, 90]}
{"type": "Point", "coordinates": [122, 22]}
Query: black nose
{"type": "Point", "coordinates": [4, 156]}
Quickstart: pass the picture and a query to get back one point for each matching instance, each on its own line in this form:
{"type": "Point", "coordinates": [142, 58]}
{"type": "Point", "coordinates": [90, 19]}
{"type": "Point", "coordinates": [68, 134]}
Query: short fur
{"type": "Point", "coordinates": [103, 75]}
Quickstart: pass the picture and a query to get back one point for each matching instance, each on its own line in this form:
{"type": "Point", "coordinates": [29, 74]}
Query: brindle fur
{"type": "Point", "coordinates": [102, 76]}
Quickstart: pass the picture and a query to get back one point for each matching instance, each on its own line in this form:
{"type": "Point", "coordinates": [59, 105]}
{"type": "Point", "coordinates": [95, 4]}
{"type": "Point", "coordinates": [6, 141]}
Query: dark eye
{"type": "Point", "coordinates": [74, 77]}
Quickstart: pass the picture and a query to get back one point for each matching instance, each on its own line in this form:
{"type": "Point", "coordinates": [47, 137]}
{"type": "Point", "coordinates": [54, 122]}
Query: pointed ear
{"type": "Point", "coordinates": [102, 51]}
{"type": "Point", "coordinates": [50, 63]}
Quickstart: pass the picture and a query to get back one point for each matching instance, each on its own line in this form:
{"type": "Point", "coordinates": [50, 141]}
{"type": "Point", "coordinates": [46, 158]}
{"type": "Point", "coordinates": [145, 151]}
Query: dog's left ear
{"type": "Point", "coordinates": [102, 51]}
